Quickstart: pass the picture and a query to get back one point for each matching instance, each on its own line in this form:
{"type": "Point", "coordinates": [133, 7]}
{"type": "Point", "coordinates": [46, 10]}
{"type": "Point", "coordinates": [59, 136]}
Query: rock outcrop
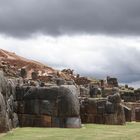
{"type": "Point", "coordinates": [8, 106]}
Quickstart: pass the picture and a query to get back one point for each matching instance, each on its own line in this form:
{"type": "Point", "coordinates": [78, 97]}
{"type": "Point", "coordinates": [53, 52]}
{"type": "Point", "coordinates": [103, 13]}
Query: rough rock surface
{"type": "Point", "coordinates": [8, 117]}
{"type": "Point", "coordinates": [102, 111]}
{"type": "Point", "coordinates": [45, 103]}
{"type": "Point", "coordinates": [33, 94]}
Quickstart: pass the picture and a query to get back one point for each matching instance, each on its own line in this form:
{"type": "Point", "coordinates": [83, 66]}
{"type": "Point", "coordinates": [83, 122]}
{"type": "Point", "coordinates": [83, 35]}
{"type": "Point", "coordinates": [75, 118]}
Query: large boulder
{"type": "Point", "coordinates": [112, 81]}
{"type": "Point", "coordinates": [114, 98]}
{"type": "Point", "coordinates": [4, 124]}
{"type": "Point", "coordinates": [7, 103]}
{"type": "Point", "coordinates": [55, 102]}
{"type": "Point", "coordinates": [84, 92]}
{"type": "Point", "coordinates": [95, 91]}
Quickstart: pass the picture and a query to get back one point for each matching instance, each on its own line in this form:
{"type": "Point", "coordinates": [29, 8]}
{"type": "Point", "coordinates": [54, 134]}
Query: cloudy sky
{"type": "Point", "coordinates": [95, 37]}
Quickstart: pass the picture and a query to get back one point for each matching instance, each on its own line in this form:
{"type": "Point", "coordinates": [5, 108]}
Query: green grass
{"type": "Point", "coordinates": [131, 131]}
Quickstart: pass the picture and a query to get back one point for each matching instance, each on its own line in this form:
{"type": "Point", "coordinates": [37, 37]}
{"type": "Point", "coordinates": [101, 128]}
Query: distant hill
{"type": "Point", "coordinates": [11, 63]}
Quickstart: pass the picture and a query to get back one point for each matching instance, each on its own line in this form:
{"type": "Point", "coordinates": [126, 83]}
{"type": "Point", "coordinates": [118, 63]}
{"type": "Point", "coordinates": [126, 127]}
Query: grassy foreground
{"type": "Point", "coordinates": [131, 131]}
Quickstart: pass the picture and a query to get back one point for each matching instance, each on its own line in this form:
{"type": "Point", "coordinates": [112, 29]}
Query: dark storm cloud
{"type": "Point", "coordinates": [57, 17]}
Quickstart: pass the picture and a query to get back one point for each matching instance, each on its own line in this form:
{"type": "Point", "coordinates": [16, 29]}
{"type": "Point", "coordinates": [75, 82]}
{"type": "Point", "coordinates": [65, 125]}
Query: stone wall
{"type": "Point", "coordinates": [135, 111]}
{"type": "Point", "coordinates": [8, 105]}
{"type": "Point", "coordinates": [55, 106]}
{"type": "Point", "coordinates": [130, 95]}
{"type": "Point", "coordinates": [102, 111]}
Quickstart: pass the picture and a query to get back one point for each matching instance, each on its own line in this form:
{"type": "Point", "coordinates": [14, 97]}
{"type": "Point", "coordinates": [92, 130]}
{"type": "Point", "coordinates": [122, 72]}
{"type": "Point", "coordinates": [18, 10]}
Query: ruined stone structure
{"type": "Point", "coordinates": [95, 91]}
{"type": "Point", "coordinates": [112, 82]}
{"type": "Point", "coordinates": [131, 100]}
{"type": "Point", "coordinates": [34, 95]}
{"type": "Point", "coordinates": [8, 105]}
{"type": "Point", "coordinates": [102, 111]}
{"type": "Point", "coordinates": [130, 95]}
{"type": "Point", "coordinates": [133, 111]}
{"type": "Point", "coordinates": [55, 106]}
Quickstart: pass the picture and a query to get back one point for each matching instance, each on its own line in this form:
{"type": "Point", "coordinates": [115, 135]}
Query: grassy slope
{"type": "Point", "coordinates": [89, 132]}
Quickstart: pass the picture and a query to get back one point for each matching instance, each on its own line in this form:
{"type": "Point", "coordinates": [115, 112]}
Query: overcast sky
{"type": "Point", "coordinates": [95, 37]}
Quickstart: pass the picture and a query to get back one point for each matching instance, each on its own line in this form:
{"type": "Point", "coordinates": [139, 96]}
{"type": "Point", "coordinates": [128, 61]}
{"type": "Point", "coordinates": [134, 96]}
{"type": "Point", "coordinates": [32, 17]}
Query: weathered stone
{"type": "Point", "coordinates": [111, 81]}
{"type": "Point", "coordinates": [102, 111]}
{"type": "Point", "coordinates": [7, 97]}
{"type": "Point", "coordinates": [34, 75]}
{"type": "Point", "coordinates": [137, 114]}
{"type": "Point", "coordinates": [84, 92]}
{"type": "Point", "coordinates": [4, 125]}
{"type": "Point", "coordinates": [95, 91]}
{"type": "Point", "coordinates": [110, 107]}
{"type": "Point", "coordinates": [114, 98]}
{"type": "Point", "coordinates": [15, 120]}
{"type": "Point", "coordinates": [23, 73]}
{"type": "Point", "coordinates": [133, 106]}
{"type": "Point", "coordinates": [73, 122]}
{"type": "Point", "coordinates": [55, 101]}
{"type": "Point", "coordinates": [26, 120]}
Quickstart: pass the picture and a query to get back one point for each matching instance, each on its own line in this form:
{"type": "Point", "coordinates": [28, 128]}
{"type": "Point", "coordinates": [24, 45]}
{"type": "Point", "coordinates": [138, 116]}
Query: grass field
{"type": "Point", "coordinates": [131, 131]}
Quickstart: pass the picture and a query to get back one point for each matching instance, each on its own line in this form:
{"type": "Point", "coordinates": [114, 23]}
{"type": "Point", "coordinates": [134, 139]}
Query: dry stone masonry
{"type": "Point", "coordinates": [55, 106]}
{"type": "Point", "coordinates": [8, 104]}
{"type": "Point", "coordinates": [34, 95]}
